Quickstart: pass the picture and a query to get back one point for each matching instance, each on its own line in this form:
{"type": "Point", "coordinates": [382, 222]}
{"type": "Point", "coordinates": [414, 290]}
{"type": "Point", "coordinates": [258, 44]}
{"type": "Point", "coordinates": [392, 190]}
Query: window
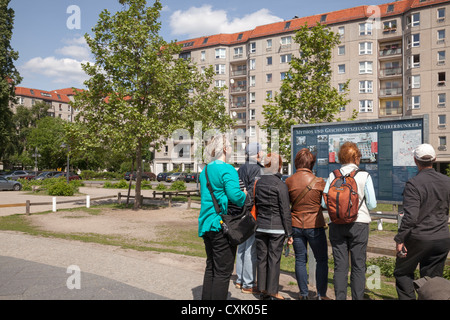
{"type": "Point", "coordinates": [414, 102]}
{"type": "Point", "coordinates": [441, 36]}
{"type": "Point", "coordinates": [269, 43]}
{"type": "Point", "coordinates": [220, 83]}
{"type": "Point", "coordinates": [268, 77]}
{"type": "Point", "coordinates": [269, 61]}
{"type": "Point", "coordinates": [389, 26]}
{"type": "Point", "coordinates": [252, 47]}
{"type": "Point", "coordinates": [413, 20]}
{"type": "Point", "coordinates": [341, 68]}
{"type": "Point", "coordinates": [287, 25]}
{"type": "Point", "coordinates": [414, 41]}
{"type": "Point", "coordinates": [366, 106]}
{"type": "Point", "coordinates": [220, 53]}
{"type": "Point", "coordinates": [252, 114]}
{"type": "Point", "coordinates": [366, 86]}
{"type": "Point", "coordinates": [341, 50]}
{"type": "Point", "coordinates": [205, 41]}
{"type": "Point", "coordinates": [252, 64]}
{"type": "Point", "coordinates": [286, 40]}
{"type": "Point", "coordinates": [238, 52]}
{"type": "Point", "coordinates": [441, 78]}
{"type": "Point", "coordinates": [414, 61]}
{"type": "Point", "coordinates": [269, 94]}
{"type": "Point", "coordinates": [442, 120]}
{"type": "Point", "coordinates": [441, 14]}
{"type": "Point", "coordinates": [252, 131]}
{"type": "Point", "coordinates": [341, 87]}
{"type": "Point", "coordinates": [286, 58]}
{"type": "Point", "coordinates": [442, 143]}
{"type": "Point", "coordinates": [252, 81]}
{"type": "Point", "coordinates": [441, 100]}
{"type": "Point", "coordinates": [390, 8]}
{"type": "Point", "coordinates": [220, 68]}
{"type": "Point", "coordinates": [283, 75]}
{"type": "Point", "coordinates": [365, 67]}
{"type": "Point", "coordinates": [203, 55]}
{"type": "Point", "coordinates": [323, 18]}
{"type": "Point", "coordinates": [341, 31]}
{"type": "Point", "coordinates": [365, 48]}
{"type": "Point", "coordinates": [252, 97]}
{"type": "Point", "coordinates": [365, 29]}
{"type": "Point", "coordinates": [32, 91]}
{"type": "Point", "coordinates": [441, 57]}
{"type": "Point", "coordinates": [240, 36]}
{"type": "Point", "coordinates": [414, 82]}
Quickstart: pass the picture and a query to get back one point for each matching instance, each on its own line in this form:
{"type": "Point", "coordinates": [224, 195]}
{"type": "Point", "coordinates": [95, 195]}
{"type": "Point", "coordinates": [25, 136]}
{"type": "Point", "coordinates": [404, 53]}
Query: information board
{"type": "Point", "coordinates": [386, 146]}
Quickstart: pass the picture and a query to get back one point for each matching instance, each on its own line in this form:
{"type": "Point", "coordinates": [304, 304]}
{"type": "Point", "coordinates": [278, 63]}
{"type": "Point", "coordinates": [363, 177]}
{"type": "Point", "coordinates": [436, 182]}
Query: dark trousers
{"type": "Point", "coordinates": [429, 254]}
{"type": "Point", "coordinates": [220, 257]}
{"type": "Point", "coordinates": [349, 239]}
{"type": "Point", "coordinates": [269, 248]}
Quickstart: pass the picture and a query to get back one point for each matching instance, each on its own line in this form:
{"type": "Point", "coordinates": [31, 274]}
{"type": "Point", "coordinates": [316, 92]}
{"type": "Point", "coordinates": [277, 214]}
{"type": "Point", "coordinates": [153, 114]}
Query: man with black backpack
{"type": "Point", "coordinates": [348, 196]}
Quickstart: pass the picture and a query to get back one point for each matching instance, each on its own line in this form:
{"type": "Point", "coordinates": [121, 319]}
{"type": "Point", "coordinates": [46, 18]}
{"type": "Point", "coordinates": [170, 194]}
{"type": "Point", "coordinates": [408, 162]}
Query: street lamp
{"type": "Point", "coordinates": [63, 145]}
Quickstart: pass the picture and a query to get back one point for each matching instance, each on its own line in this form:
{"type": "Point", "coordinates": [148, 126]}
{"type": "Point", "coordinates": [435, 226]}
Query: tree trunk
{"type": "Point", "coordinates": [131, 181]}
{"type": "Point", "coordinates": [137, 193]}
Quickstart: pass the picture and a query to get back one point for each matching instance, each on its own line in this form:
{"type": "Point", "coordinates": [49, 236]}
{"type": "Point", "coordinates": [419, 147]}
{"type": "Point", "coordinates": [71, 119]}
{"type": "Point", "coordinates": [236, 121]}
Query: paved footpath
{"type": "Point", "coordinates": [47, 269]}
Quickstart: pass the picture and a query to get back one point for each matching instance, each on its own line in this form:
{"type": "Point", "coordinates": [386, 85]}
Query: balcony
{"type": "Point", "coordinates": [238, 88]}
{"type": "Point", "coordinates": [390, 72]}
{"type": "Point", "coordinates": [389, 52]}
{"type": "Point", "coordinates": [391, 91]}
{"type": "Point", "coordinates": [238, 104]}
{"type": "Point", "coordinates": [239, 72]}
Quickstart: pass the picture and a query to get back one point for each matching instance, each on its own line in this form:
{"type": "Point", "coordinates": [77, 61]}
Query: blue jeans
{"type": "Point", "coordinates": [318, 241]}
{"type": "Point", "coordinates": [246, 263]}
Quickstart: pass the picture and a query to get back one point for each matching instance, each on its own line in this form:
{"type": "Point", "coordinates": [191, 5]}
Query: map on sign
{"type": "Point", "coordinates": [386, 147]}
{"type": "Point", "coordinates": [403, 146]}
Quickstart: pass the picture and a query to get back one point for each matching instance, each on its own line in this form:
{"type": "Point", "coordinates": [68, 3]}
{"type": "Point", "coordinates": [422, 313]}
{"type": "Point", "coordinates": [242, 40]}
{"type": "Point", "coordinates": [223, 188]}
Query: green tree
{"type": "Point", "coordinates": [306, 94]}
{"type": "Point", "coordinates": [9, 77]}
{"type": "Point", "coordinates": [47, 137]}
{"type": "Point", "coordinates": [139, 91]}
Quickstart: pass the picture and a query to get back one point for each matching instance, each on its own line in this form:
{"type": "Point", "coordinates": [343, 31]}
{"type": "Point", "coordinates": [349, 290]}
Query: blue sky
{"type": "Point", "coordinates": [51, 53]}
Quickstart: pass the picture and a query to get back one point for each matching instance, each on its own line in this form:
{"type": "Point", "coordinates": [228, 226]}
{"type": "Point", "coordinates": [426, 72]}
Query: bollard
{"type": "Point", "coordinates": [88, 201]}
{"type": "Point", "coordinates": [312, 267]}
{"type": "Point", "coordinates": [54, 204]}
{"type": "Point", "coordinates": [119, 198]}
{"type": "Point", "coordinates": [380, 225]}
{"type": "Point", "coordinates": [28, 207]}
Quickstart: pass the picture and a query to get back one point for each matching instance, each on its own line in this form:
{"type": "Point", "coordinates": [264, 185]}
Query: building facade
{"type": "Point", "coordinates": [395, 56]}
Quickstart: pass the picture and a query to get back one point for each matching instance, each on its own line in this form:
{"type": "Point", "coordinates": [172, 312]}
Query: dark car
{"type": "Point", "coordinates": [19, 174]}
{"type": "Point", "coordinates": [46, 175]}
{"type": "Point", "coordinates": [191, 177]}
{"type": "Point", "coordinates": [162, 176]}
{"type": "Point", "coordinates": [10, 184]}
{"type": "Point", "coordinates": [72, 176]}
{"type": "Point", "coordinates": [149, 176]}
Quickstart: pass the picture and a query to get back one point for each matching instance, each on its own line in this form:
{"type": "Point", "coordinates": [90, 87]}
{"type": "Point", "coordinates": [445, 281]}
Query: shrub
{"type": "Point", "coordinates": [61, 188]}
{"type": "Point", "coordinates": [146, 185]}
{"type": "Point", "coordinates": [161, 187]}
{"type": "Point", "coordinates": [178, 185]}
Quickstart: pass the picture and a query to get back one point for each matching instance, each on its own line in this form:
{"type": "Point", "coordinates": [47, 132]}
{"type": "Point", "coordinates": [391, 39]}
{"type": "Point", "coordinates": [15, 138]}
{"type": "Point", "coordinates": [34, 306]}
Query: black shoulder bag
{"type": "Point", "coordinates": [237, 228]}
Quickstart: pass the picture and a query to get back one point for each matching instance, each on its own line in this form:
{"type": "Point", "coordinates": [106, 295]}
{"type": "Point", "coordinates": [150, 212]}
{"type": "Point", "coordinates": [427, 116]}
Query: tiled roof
{"type": "Point", "coordinates": [335, 17]}
{"type": "Point", "coordinates": [42, 94]}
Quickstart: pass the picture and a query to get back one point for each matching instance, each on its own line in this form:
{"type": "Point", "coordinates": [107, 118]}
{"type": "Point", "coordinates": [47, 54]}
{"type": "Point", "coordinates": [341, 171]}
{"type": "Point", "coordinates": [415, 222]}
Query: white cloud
{"type": "Point", "coordinates": [196, 22]}
{"type": "Point", "coordinates": [76, 48]}
{"type": "Point", "coordinates": [66, 70]}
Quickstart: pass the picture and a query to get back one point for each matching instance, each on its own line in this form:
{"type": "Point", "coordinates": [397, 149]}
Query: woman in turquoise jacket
{"type": "Point", "coordinates": [220, 254]}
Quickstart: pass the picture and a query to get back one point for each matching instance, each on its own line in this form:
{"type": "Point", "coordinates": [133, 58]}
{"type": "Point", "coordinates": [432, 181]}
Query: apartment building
{"type": "Point", "coordinates": [394, 54]}
{"type": "Point", "coordinates": [58, 101]}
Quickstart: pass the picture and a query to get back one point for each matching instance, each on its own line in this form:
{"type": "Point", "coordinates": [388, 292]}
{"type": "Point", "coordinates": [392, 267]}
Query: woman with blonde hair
{"type": "Point", "coordinates": [274, 225]}
{"type": "Point", "coordinates": [351, 239]}
{"type": "Point", "coordinates": [220, 254]}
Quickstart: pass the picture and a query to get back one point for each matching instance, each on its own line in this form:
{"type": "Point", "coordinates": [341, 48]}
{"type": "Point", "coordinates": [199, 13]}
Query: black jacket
{"type": "Point", "coordinates": [248, 172]}
{"type": "Point", "coordinates": [426, 201]}
{"type": "Point", "coordinates": [273, 204]}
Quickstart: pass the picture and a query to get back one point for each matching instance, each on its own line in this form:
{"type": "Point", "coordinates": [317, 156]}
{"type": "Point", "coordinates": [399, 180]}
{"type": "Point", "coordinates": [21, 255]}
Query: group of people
{"type": "Point", "coordinates": [291, 213]}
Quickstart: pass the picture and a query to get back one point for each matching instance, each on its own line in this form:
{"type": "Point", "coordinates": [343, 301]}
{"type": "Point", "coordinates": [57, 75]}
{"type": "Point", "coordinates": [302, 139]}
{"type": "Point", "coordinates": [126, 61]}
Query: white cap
{"type": "Point", "coordinates": [425, 152]}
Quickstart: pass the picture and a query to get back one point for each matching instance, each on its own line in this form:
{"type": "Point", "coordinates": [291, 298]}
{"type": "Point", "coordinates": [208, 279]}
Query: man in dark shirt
{"type": "Point", "coordinates": [423, 236]}
{"type": "Point", "coordinates": [246, 252]}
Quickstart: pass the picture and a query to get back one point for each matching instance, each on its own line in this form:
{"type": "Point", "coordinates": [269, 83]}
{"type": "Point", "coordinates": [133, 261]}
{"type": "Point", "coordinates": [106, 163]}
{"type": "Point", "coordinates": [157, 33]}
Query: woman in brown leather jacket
{"type": "Point", "coordinates": [308, 223]}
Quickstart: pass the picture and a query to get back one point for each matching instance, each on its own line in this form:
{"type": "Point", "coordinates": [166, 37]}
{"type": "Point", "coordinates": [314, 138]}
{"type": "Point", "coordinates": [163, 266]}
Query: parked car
{"type": "Point", "coordinates": [10, 184]}
{"type": "Point", "coordinates": [19, 174]}
{"type": "Point", "coordinates": [191, 177]}
{"type": "Point", "coordinates": [149, 176]}
{"type": "Point", "coordinates": [72, 176]}
{"type": "Point", "coordinates": [176, 176]}
{"type": "Point", "coordinates": [162, 176]}
{"type": "Point", "coordinates": [46, 175]}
